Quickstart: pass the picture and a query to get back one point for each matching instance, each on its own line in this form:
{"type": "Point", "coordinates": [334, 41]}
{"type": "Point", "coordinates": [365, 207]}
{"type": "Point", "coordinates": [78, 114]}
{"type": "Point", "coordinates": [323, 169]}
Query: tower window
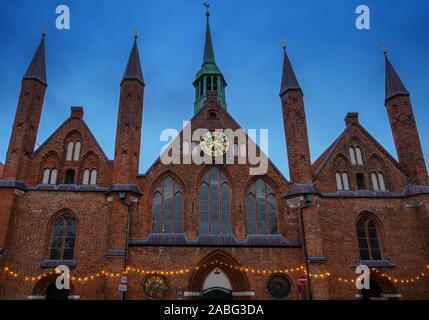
{"type": "Point", "coordinates": [69, 177]}
{"type": "Point", "coordinates": [215, 83]}
{"type": "Point", "coordinates": [213, 115]}
{"type": "Point", "coordinates": [360, 181]}
{"type": "Point", "coordinates": [209, 83]}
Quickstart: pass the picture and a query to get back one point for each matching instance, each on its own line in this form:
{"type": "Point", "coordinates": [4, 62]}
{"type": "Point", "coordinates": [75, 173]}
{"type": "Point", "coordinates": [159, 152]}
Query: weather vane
{"type": "Point", "coordinates": [44, 31]}
{"type": "Point", "coordinates": [136, 32]}
{"type": "Point", "coordinates": [384, 49]}
{"type": "Point", "coordinates": [283, 44]}
{"type": "Point", "coordinates": [208, 7]}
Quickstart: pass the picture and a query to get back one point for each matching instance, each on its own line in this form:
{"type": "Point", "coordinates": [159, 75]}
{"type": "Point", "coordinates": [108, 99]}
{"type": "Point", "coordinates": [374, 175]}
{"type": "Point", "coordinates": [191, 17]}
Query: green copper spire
{"type": "Point", "coordinates": [209, 78]}
{"type": "Point", "coordinates": [209, 56]}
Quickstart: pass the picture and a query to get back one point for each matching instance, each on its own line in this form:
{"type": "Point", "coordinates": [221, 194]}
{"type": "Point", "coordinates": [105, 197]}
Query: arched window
{"type": "Point", "coordinates": [73, 151]}
{"type": "Point", "coordinates": [342, 180]}
{"type": "Point", "coordinates": [369, 244]}
{"type": "Point", "coordinates": [215, 203]}
{"type": "Point", "coordinates": [356, 156]}
{"type": "Point", "coordinates": [69, 177]}
{"type": "Point", "coordinates": [76, 154]}
{"type": "Point", "coordinates": [360, 181]}
{"type": "Point", "coordinates": [85, 178]}
{"type": "Point", "coordinates": [50, 176]}
{"type": "Point", "coordinates": [70, 146]}
{"type": "Point", "coordinates": [261, 209]}
{"type": "Point", "coordinates": [167, 207]}
{"type": "Point", "coordinates": [378, 181]}
{"type": "Point", "coordinates": [63, 238]}
{"type": "Point", "coordinates": [93, 177]}
{"type": "Point", "coordinates": [89, 177]}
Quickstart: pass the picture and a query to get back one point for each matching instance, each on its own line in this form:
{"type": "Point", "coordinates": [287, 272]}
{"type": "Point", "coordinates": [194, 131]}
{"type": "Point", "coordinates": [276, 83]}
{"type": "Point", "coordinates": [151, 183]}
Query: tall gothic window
{"type": "Point", "coordinates": [215, 203]}
{"type": "Point", "coordinates": [167, 207]}
{"type": "Point", "coordinates": [369, 243]}
{"type": "Point", "coordinates": [63, 238]}
{"type": "Point", "coordinates": [261, 209]}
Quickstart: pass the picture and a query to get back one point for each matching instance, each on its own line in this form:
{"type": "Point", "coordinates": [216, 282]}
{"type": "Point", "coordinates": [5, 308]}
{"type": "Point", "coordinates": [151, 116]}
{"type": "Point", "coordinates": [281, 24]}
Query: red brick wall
{"type": "Point", "coordinates": [407, 140]}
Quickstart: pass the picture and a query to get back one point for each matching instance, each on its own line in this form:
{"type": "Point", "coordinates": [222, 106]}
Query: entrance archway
{"type": "Point", "coordinates": [218, 277]}
{"type": "Point", "coordinates": [217, 286]}
{"type": "Point", "coordinates": [46, 288]}
{"type": "Point", "coordinates": [53, 293]}
{"type": "Point", "coordinates": [380, 289]}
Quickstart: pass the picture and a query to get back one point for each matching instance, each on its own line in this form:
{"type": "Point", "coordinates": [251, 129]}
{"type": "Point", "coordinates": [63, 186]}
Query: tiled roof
{"type": "Point", "coordinates": [394, 85]}
{"type": "Point", "coordinates": [289, 80]}
{"type": "Point", "coordinates": [37, 68]}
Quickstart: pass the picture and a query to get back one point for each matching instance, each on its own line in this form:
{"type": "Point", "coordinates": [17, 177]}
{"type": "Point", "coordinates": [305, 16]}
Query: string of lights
{"type": "Point", "coordinates": [184, 271]}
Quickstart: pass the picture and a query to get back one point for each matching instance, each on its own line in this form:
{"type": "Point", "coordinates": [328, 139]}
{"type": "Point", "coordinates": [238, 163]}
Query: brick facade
{"type": "Point", "coordinates": [317, 221]}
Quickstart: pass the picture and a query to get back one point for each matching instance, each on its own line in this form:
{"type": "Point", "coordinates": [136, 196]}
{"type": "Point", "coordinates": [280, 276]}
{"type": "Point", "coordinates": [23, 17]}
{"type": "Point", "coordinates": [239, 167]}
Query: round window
{"type": "Point", "coordinates": [279, 287]}
{"type": "Point", "coordinates": [155, 286]}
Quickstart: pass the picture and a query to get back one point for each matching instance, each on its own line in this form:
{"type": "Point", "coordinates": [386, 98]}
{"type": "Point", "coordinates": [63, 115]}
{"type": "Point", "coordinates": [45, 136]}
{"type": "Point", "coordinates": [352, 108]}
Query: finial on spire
{"type": "Point", "coordinates": [283, 44]}
{"type": "Point", "coordinates": [384, 49]}
{"type": "Point", "coordinates": [44, 31]}
{"type": "Point", "coordinates": [136, 33]}
{"type": "Point", "coordinates": [207, 7]}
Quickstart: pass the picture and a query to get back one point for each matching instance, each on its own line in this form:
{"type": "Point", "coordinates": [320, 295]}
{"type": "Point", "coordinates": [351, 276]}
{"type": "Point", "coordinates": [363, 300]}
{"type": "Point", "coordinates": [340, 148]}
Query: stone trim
{"type": "Point", "coordinates": [47, 263]}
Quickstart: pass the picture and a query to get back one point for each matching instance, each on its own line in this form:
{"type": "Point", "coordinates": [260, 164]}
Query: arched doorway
{"type": "Point", "coordinates": [217, 286]}
{"type": "Point", "coordinates": [380, 288]}
{"type": "Point", "coordinates": [218, 276]}
{"type": "Point", "coordinates": [46, 288]}
{"type": "Point", "coordinates": [53, 293]}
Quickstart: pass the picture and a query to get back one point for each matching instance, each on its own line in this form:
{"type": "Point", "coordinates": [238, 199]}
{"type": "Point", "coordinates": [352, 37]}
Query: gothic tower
{"type": "Point", "coordinates": [404, 128]}
{"type": "Point", "coordinates": [209, 78]}
{"type": "Point", "coordinates": [295, 125]}
{"type": "Point", "coordinates": [27, 117]}
{"type": "Point", "coordinates": [128, 132]}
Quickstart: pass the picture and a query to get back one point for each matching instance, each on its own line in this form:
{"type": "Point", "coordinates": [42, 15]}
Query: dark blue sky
{"type": "Point", "coordinates": [340, 68]}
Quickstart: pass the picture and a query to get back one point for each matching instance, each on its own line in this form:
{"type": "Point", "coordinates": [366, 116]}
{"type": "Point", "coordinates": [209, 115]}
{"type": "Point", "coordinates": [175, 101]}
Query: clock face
{"type": "Point", "coordinates": [214, 144]}
{"type": "Point", "coordinates": [155, 286]}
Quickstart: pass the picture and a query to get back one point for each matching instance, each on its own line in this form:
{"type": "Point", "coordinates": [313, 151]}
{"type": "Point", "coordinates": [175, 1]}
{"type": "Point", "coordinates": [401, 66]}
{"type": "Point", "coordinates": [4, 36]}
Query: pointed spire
{"type": "Point", "coordinates": [37, 68]}
{"type": "Point", "coordinates": [133, 71]}
{"type": "Point", "coordinates": [209, 56]}
{"type": "Point", "coordinates": [289, 81]}
{"type": "Point", "coordinates": [394, 85]}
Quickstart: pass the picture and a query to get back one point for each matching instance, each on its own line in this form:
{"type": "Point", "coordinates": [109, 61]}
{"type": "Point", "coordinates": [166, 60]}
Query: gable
{"type": "Point", "coordinates": [54, 153]}
{"type": "Point", "coordinates": [375, 158]}
{"type": "Point", "coordinates": [211, 118]}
